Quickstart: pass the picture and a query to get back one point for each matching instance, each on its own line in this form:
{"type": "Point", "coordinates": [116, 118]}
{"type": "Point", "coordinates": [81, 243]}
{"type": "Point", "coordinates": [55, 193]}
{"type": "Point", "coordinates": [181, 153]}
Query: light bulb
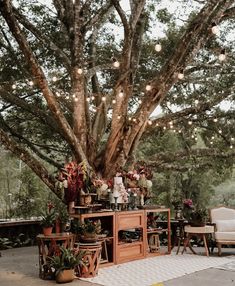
{"type": "Point", "coordinates": [31, 83]}
{"type": "Point", "coordinates": [116, 63]}
{"type": "Point", "coordinates": [231, 146]}
{"type": "Point", "coordinates": [103, 98]}
{"type": "Point", "coordinates": [215, 119]}
{"type": "Point", "coordinates": [158, 47]}
{"type": "Point", "coordinates": [13, 86]}
{"type": "Point", "coordinates": [190, 122]}
{"type": "Point", "coordinates": [215, 29]}
{"type": "Point", "coordinates": [114, 101]}
{"type": "Point", "coordinates": [92, 98]}
{"type": "Point", "coordinates": [222, 56]}
{"type": "Point", "coordinates": [88, 99]}
{"type": "Point", "coordinates": [75, 99]}
{"type": "Point", "coordinates": [180, 75]}
{"type": "Point", "coordinates": [54, 78]}
{"type": "Point", "coordinates": [118, 117]}
{"type": "Point", "coordinates": [148, 87]}
{"type": "Point", "coordinates": [150, 122]}
{"type": "Point", "coordinates": [220, 131]}
{"type": "Point", "coordinates": [121, 94]}
{"type": "Point", "coordinates": [79, 71]}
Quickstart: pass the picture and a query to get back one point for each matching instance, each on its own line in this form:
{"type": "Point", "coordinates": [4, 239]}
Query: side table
{"type": "Point", "coordinates": [49, 245]}
{"type": "Point", "coordinates": [91, 259]}
{"type": "Point", "coordinates": [199, 231]}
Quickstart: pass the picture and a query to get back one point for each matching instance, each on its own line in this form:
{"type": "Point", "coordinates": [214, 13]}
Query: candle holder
{"type": "Point", "coordinates": [135, 206]}
{"type": "Point", "coordinates": [115, 204]}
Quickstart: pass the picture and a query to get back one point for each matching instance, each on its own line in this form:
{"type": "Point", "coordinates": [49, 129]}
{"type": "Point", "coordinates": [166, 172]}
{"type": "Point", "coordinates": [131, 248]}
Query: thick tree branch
{"type": "Point", "coordinates": [28, 159]}
{"type": "Point", "coordinates": [7, 128]}
{"type": "Point", "coordinates": [6, 10]}
{"type": "Point", "coordinates": [42, 37]}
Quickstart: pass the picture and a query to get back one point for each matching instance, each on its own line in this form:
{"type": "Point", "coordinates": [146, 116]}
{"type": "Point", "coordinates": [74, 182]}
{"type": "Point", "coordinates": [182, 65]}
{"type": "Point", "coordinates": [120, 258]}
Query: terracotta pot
{"type": "Point", "coordinates": [47, 230]}
{"type": "Point", "coordinates": [65, 276]}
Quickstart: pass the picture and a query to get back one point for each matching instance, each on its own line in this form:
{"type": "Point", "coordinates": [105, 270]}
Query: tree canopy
{"type": "Point", "coordinates": [82, 80]}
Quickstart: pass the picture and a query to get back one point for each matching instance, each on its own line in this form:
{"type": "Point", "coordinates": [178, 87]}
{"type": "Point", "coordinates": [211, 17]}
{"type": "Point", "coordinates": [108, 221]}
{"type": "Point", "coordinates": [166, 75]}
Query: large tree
{"type": "Point", "coordinates": [72, 86]}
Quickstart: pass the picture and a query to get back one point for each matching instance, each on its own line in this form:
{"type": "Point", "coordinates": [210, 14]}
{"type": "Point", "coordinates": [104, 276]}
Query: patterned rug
{"type": "Point", "coordinates": [150, 271]}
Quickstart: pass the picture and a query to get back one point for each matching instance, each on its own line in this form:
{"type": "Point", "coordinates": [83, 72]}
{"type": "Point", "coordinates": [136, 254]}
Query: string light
{"type": "Point", "coordinates": [13, 86]}
{"type": "Point", "coordinates": [129, 118]}
{"type": "Point", "coordinates": [150, 122]}
{"type": "Point", "coordinates": [231, 146]}
{"type": "Point", "coordinates": [215, 119]}
{"type": "Point", "coordinates": [196, 101]}
{"type": "Point", "coordinates": [114, 101]}
{"type": "Point", "coordinates": [54, 78]}
{"type": "Point", "coordinates": [103, 98]}
{"type": "Point", "coordinates": [31, 83]}
{"type": "Point", "coordinates": [88, 99]}
{"type": "Point", "coordinates": [220, 131]}
{"type": "Point", "coordinates": [75, 99]}
{"type": "Point", "coordinates": [190, 122]}
{"type": "Point", "coordinates": [222, 56]}
{"type": "Point", "coordinates": [73, 95]}
{"type": "Point", "coordinates": [118, 117]}
{"type": "Point", "coordinates": [116, 63]}
{"type": "Point", "coordinates": [158, 47]}
{"type": "Point", "coordinates": [92, 98]}
{"type": "Point", "coordinates": [57, 94]}
{"type": "Point", "coordinates": [121, 94]}
{"type": "Point", "coordinates": [79, 71]}
{"type": "Point", "coordinates": [148, 87]}
{"type": "Point", "coordinates": [139, 101]}
{"type": "Point", "coordinates": [134, 119]}
{"type": "Point", "coordinates": [180, 75]}
{"type": "Point", "coordinates": [67, 97]}
{"type": "Point", "coordinates": [215, 29]}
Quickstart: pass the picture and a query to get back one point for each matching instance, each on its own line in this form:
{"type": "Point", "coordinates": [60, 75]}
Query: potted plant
{"type": "Point", "coordinates": [48, 220]}
{"type": "Point", "coordinates": [65, 263]}
{"type": "Point", "coordinates": [198, 217]}
{"type": "Point", "coordinates": [89, 230]}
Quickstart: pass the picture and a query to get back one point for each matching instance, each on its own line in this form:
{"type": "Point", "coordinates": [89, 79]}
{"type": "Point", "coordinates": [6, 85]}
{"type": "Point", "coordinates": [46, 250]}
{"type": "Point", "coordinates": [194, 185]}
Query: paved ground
{"type": "Point", "coordinates": [19, 267]}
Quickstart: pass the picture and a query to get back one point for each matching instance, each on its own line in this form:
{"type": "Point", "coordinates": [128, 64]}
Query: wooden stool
{"type": "Point", "coordinates": [91, 259]}
{"type": "Point", "coordinates": [154, 243]}
{"type": "Point", "coordinates": [199, 231]}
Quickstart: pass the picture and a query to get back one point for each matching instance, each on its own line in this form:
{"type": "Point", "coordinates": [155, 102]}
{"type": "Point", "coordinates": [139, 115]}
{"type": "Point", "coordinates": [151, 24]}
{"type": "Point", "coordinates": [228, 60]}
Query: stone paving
{"type": "Point", "coordinates": [19, 267]}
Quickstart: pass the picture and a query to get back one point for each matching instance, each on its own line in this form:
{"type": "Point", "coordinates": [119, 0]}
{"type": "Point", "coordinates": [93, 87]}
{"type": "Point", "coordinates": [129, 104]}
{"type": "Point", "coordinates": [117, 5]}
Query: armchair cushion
{"type": "Point", "coordinates": [226, 236]}
{"type": "Point", "coordinates": [225, 225]}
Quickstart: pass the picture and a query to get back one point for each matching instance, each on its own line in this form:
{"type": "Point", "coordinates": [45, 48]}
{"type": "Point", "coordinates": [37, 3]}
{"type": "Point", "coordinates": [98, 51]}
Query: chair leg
{"type": "Point", "coordinates": [219, 248]}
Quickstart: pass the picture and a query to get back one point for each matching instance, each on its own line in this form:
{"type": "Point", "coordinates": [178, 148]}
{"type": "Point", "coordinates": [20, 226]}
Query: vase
{"type": "Point", "coordinates": [65, 276]}
{"type": "Point", "coordinates": [47, 230]}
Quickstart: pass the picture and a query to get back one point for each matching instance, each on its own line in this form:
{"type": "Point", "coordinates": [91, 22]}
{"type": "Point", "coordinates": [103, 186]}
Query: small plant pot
{"type": "Point", "coordinates": [65, 276]}
{"type": "Point", "coordinates": [47, 230]}
{"type": "Point", "coordinates": [89, 237]}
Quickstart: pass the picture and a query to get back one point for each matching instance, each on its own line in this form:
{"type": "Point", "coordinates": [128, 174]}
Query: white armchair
{"type": "Point", "coordinates": [224, 220]}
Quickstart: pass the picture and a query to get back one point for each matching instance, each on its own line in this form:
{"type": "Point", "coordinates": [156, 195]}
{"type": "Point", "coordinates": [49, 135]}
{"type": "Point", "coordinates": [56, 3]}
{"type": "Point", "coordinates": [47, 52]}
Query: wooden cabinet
{"type": "Point", "coordinates": [107, 220]}
{"type": "Point", "coordinates": [129, 234]}
{"type": "Point", "coordinates": [130, 248]}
